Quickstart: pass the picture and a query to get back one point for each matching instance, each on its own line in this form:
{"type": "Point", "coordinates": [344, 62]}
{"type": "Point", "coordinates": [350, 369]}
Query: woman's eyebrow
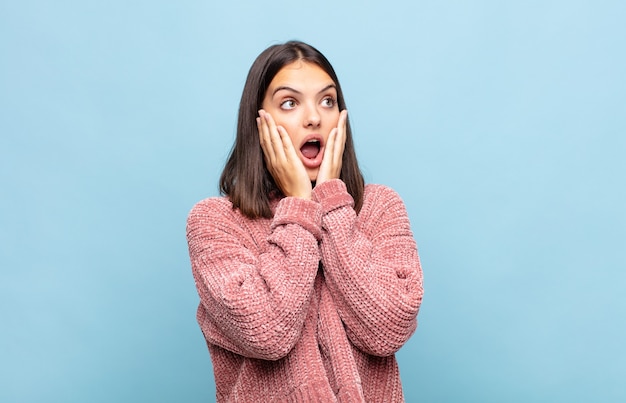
{"type": "Point", "coordinates": [287, 88]}
{"type": "Point", "coordinates": [329, 86]}
{"type": "Point", "coordinates": [284, 87]}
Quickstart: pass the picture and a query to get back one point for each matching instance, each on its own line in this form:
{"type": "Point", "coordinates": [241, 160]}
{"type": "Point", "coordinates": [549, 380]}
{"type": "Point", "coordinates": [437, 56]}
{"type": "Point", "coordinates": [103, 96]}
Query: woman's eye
{"type": "Point", "coordinates": [329, 102]}
{"type": "Point", "coordinates": [288, 104]}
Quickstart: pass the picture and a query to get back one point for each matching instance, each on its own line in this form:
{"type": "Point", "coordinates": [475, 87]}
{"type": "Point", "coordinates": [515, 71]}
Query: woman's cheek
{"type": "Point", "coordinates": [334, 118]}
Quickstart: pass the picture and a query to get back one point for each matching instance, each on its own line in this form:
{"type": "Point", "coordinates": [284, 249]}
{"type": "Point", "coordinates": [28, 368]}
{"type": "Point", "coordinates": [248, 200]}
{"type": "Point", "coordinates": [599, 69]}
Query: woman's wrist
{"type": "Point", "coordinates": [295, 210]}
{"type": "Point", "coordinates": [332, 194]}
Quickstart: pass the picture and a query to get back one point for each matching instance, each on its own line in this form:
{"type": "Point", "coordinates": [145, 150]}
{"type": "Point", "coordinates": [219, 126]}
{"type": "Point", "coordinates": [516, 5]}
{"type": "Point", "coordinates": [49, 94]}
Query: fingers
{"type": "Point", "coordinates": [333, 153]}
{"type": "Point", "coordinates": [288, 149]}
{"type": "Point", "coordinates": [339, 142]}
{"type": "Point", "coordinates": [276, 138]}
{"type": "Point", "coordinates": [269, 138]}
{"type": "Point", "coordinates": [264, 139]}
{"type": "Point", "coordinates": [281, 158]}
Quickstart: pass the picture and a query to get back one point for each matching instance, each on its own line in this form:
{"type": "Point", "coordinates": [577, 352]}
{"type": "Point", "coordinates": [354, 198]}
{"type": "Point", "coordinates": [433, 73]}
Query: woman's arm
{"type": "Point", "coordinates": [254, 301]}
{"type": "Point", "coordinates": [371, 266]}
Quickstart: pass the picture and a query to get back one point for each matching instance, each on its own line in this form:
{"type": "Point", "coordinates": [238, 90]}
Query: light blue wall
{"type": "Point", "coordinates": [501, 124]}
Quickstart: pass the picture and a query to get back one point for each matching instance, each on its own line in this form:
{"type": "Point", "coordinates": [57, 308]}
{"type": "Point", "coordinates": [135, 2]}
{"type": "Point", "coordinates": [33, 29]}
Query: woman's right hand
{"type": "Point", "coordinates": [281, 158]}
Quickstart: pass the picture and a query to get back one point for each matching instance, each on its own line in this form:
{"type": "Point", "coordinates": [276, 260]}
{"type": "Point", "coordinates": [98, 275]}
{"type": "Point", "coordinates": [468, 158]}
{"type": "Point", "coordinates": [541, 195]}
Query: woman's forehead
{"type": "Point", "coordinates": [301, 76]}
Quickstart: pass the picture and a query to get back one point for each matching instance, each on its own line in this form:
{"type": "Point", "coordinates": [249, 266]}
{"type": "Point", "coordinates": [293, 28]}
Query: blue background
{"type": "Point", "coordinates": [501, 124]}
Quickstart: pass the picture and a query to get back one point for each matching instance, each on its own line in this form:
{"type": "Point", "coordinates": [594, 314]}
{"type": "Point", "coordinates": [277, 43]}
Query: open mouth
{"type": "Point", "coordinates": [311, 149]}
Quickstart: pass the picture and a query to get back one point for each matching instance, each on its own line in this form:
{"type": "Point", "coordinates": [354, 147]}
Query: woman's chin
{"type": "Point", "coordinates": [313, 174]}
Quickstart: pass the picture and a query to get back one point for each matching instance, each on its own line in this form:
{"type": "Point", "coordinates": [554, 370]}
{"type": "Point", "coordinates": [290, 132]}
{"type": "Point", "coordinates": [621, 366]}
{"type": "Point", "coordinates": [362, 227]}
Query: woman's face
{"type": "Point", "coordinates": [302, 98]}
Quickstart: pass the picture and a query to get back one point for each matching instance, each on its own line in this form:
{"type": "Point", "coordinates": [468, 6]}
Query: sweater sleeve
{"type": "Point", "coordinates": [254, 300]}
{"type": "Point", "coordinates": [371, 266]}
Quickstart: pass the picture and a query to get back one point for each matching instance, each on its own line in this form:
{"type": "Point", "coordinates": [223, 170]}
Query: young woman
{"type": "Point", "coordinates": [309, 280]}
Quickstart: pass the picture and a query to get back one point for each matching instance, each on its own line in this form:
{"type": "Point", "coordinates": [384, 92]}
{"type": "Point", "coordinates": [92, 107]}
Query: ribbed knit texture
{"type": "Point", "coordinates": [311, 305]}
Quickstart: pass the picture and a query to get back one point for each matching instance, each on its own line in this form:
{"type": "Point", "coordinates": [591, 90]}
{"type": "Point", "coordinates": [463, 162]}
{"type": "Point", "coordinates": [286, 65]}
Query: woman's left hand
{"type": "Point", "coordinates": [333, 152]}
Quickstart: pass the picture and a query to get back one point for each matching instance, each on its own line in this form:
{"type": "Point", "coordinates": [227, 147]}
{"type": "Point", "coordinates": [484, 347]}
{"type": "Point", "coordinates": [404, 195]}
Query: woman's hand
{"type": "Point", "coordinates": [333, 153]}
{"type": "Point", "coordinates": [281, 158]}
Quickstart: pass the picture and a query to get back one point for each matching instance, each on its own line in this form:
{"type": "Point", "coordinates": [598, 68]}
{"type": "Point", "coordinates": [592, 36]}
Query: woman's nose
{"type": "Point", "coordinates": [313, 118]}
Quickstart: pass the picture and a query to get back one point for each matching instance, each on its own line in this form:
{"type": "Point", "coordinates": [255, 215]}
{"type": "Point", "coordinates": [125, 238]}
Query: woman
{"type": "Point", "coordinates": [309, 281]}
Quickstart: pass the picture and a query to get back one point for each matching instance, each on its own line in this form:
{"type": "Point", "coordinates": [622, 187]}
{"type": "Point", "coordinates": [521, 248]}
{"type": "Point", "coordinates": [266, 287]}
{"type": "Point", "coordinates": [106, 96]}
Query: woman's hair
{"type": "Point", "coordinates": [245, 179]}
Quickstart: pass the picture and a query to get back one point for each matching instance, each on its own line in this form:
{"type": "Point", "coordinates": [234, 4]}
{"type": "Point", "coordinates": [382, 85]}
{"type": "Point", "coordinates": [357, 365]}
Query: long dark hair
{"type": "Point", "coordinates": [245, 179]}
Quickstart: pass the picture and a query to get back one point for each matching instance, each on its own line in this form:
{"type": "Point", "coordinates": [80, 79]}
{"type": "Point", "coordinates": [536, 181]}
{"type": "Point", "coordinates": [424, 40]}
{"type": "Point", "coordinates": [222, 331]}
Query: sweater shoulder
{"type": "Point", "coordinates": [379, 195]}
{"type": "Point", "coordinates": [216, 218]}
{"type": "Point", "coordinates": [212, 203]}
{"type": "Point", "coordinates": [380, 205]}
{"type": "Point", "coordinates": [378, 188]}
{"type": "Point", "coordinates": [214, 209]}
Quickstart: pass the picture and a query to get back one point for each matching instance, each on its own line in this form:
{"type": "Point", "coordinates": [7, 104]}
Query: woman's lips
{"type": "Point", "coordinates": [312, 151]}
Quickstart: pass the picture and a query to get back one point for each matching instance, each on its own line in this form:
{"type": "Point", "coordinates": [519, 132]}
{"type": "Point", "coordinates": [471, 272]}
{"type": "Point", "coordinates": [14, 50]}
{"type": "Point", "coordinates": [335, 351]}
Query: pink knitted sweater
{"type": "Point", "coordinates": [311, 305]}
